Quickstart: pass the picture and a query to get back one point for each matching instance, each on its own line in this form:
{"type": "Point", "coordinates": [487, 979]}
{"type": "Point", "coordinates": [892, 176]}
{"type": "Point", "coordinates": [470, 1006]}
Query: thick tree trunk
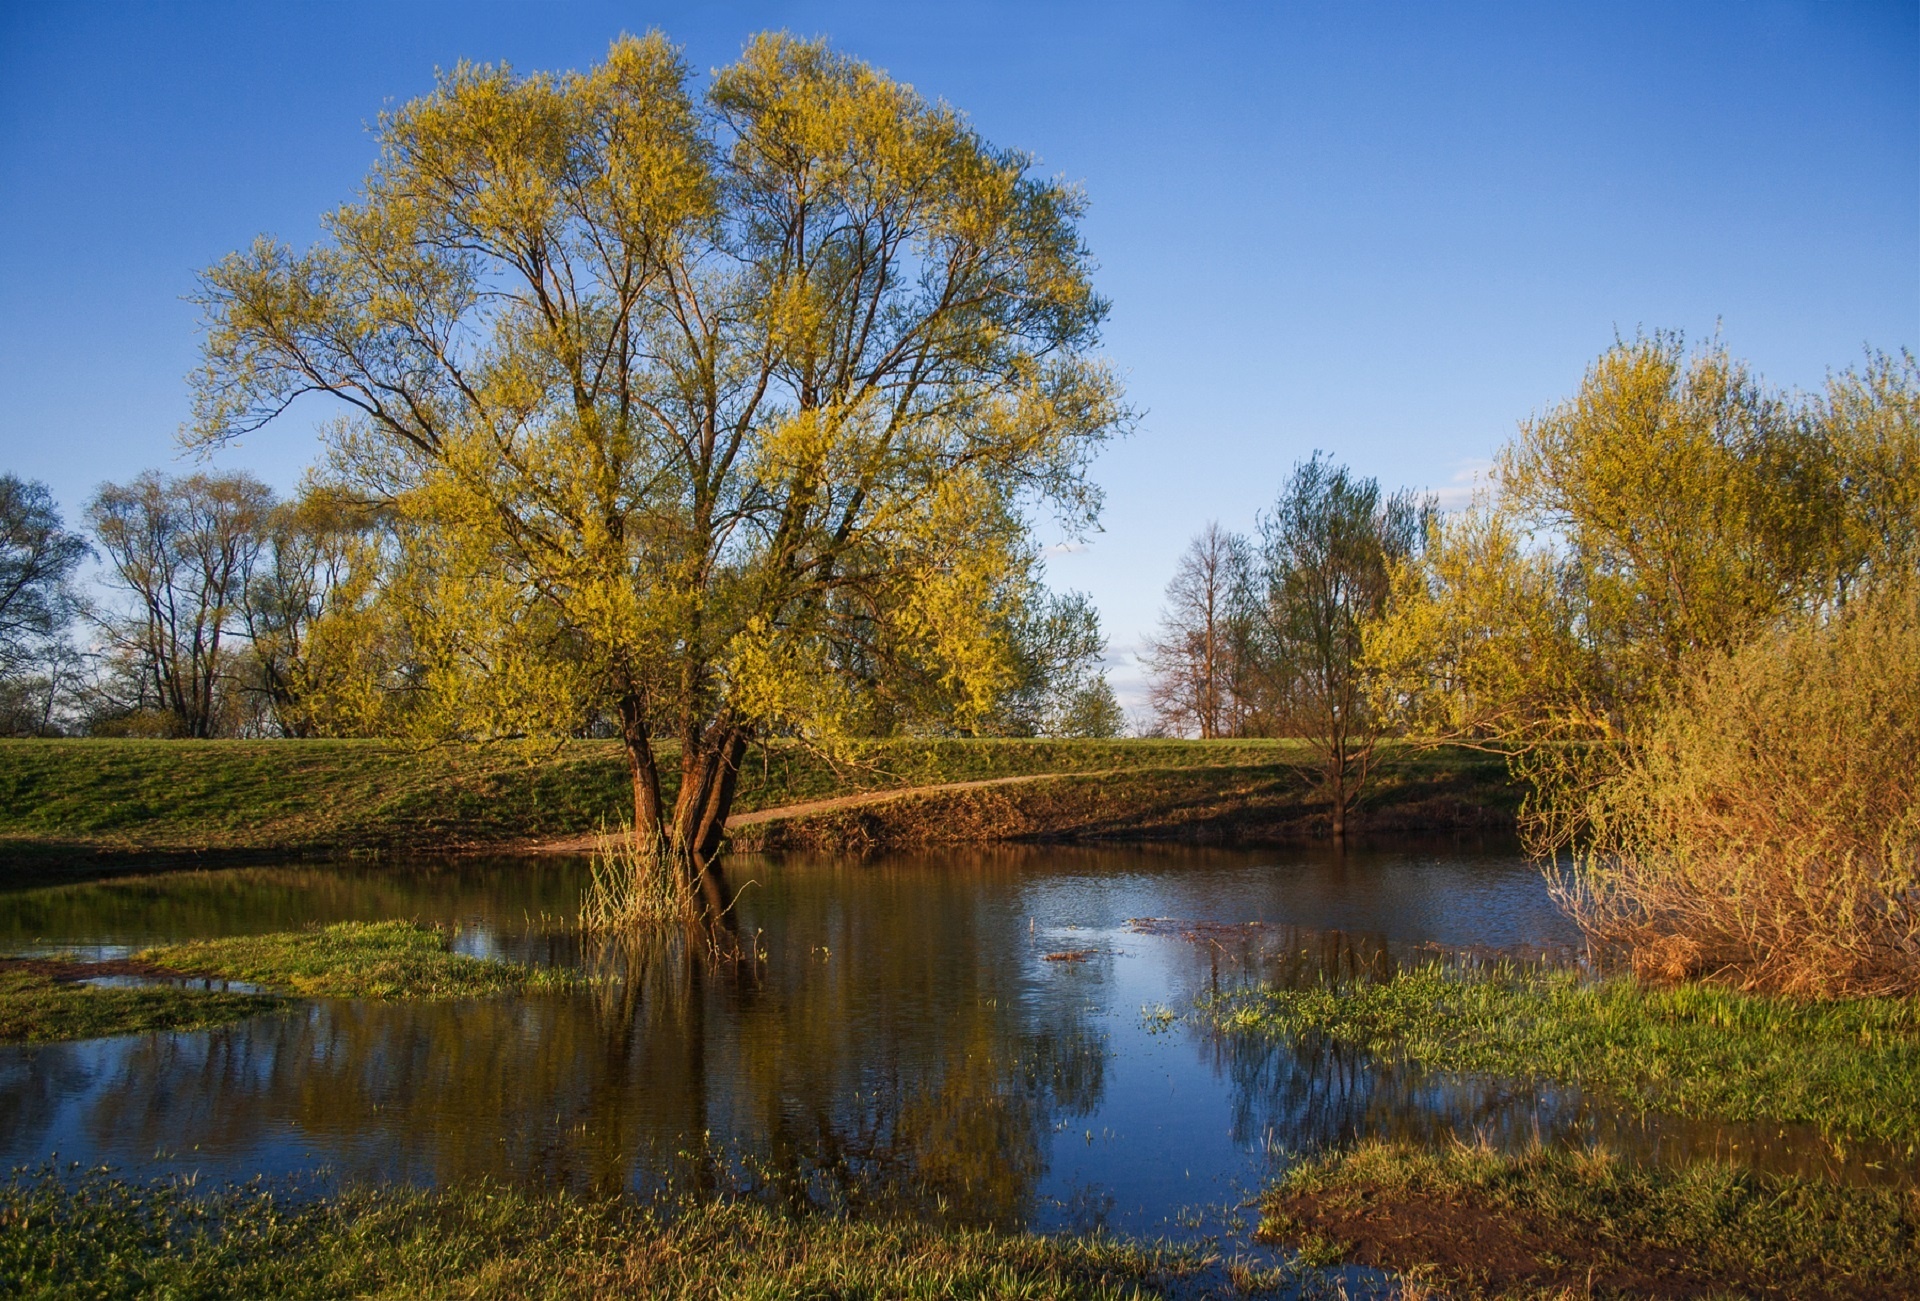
{"type": "Point", "coordinates": [709, 774]}
{"type": "Point", "coordinates": [641, 767]}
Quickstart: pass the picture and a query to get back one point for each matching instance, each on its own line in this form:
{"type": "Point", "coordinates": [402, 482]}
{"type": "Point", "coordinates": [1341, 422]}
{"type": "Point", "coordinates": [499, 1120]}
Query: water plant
{"type": "Point", "coordinates": [632, 886]}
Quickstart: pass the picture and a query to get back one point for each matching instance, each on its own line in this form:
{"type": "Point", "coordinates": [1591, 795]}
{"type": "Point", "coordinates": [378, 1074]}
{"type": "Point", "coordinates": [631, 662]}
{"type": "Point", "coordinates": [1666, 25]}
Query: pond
{"type": "Point", "coordinates": [914, 1038]}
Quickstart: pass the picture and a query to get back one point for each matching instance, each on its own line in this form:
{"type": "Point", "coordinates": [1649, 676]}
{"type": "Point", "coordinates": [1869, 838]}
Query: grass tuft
{"type": "Point", "coordinates": [38, 1008]}
{"type": "Point", "coordinates": [392, 959]}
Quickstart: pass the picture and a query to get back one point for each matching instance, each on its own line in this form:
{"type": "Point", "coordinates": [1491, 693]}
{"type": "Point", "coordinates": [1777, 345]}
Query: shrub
{"type": "Point", "coordinates": [1765, 830]}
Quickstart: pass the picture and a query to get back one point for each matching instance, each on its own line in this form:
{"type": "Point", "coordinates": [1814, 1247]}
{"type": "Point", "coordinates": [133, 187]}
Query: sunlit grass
{"type": "Point", "coordinates": [1850, 1067]}
{"type": "Point", "coordinates": [98, 1237]}
{"type": "Point", "coordinates": [392, 959]}
{"type": "Point", "coordinates": [369, 960]}
{"type": "Point", "coordinates": [66, 797]}
{"type": "Point", "coordinates": [1554, 1222]}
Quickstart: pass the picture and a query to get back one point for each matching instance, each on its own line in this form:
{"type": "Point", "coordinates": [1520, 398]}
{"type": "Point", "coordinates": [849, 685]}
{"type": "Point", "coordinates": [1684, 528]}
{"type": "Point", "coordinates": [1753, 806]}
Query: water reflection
{"type": "Point", "coordinates": [905, 1045]}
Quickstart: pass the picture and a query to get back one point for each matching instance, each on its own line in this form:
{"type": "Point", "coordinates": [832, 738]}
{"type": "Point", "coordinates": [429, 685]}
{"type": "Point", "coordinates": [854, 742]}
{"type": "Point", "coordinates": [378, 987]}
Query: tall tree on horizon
{"type": "Point", "coordinates": [1197, 660]}
{"type": "Point", "coordinates": [183, 550]}
{"type": "Point", "coordinates": [1328, 552]}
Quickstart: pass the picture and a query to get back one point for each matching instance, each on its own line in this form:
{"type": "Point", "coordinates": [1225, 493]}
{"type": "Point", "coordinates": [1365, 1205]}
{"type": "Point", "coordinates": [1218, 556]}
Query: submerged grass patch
{"type": "Point", "coordinates": [393, 959]}
{"type": "Point", "coordinates": [99, 1237]}
{"type": "Point", "coordinates": [1558, 1222]}
{"type": "Point", "coordinates": [42, 1000]}
{"type": "Point", "coordinates": [1851, 1067]}
{"type": "Point", "coordinates": [40, 1008]}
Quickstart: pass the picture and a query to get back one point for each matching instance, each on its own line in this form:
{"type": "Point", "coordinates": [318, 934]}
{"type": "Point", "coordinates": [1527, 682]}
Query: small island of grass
{"type": "Point", "coordinates": [43, 1000]}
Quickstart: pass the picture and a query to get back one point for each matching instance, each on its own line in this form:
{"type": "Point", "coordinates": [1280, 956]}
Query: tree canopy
{"type": "Point", "coordinates": [718, 413]}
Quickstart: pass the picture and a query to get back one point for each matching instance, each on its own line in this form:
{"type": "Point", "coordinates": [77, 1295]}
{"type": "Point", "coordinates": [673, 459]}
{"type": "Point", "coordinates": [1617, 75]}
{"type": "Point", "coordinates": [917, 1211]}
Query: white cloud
{"type": "Point", "coordinates": [1470, 478]}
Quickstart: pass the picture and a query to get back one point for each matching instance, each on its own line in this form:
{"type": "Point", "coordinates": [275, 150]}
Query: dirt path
{"type": "Point", "coordinates": [587, 844]}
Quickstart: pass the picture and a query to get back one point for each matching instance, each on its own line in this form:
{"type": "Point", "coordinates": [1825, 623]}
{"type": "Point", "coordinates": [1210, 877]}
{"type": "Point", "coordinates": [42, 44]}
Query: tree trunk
{"type": "Point", "coordinates": [709, 775]}
{"type": "Point", "coordinates": [641, 767]}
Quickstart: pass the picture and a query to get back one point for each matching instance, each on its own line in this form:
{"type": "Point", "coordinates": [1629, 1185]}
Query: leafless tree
{"type": "Point", "coordinates": [1195, 661]}
{"type": "Point", "coordinates": [182, 550]}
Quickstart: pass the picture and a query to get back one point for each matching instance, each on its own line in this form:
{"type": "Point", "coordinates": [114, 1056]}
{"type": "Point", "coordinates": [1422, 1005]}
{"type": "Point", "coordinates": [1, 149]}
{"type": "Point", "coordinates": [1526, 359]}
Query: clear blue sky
{"type": "Point", "coordinates": [1387, 230]}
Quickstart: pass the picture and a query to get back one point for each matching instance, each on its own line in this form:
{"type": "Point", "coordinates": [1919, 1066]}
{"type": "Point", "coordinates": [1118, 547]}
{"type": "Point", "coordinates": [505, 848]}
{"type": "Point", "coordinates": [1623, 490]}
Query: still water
{"type": "Point", "coordinates": [907, 1042]}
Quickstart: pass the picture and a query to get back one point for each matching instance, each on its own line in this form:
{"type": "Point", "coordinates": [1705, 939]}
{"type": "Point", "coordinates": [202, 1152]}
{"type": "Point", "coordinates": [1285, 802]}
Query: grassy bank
{"type": "Point", "coordinates": [1256, 799]}
{"type": "Point", "coordinates": [1465, 1221]}
{"type": "Point", "coordinates": [43, 1000]}
{"type": "Point", "coordinates": [1850, 1068]}
{"type": "Point", "coordinates": [67, 801]}
{"type": "Point", "coordinates": [102, 1238]}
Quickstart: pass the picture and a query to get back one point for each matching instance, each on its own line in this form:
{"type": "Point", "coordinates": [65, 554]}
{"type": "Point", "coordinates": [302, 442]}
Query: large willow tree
{"type": "Point", "coordinates": [700, 412]}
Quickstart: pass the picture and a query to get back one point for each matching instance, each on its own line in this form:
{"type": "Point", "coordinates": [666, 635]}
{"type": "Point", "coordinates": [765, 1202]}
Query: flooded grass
{"type": "Point", "coordinates": [1850, 1068]}
{"type": "Point", "coordinates": [1465, 1221]}
{"type": "Point", "coordinates": [45, 1000]}
{"type": "Point", "coordinates": [100, 1237]}
{"type": "Point", "coordinates": [39, 1007]}
{"type": "Point", "coordinates": [378, 960]}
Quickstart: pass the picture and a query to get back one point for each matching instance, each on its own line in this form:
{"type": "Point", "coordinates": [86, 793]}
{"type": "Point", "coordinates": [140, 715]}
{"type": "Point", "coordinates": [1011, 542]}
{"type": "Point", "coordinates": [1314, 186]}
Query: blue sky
{"type": "Point", "coordinates": [1386, 230]}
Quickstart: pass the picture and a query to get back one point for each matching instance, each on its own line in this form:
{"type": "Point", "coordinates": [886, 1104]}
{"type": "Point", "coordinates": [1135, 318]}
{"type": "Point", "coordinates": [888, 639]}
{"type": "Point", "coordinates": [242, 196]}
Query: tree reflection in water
{"type": "Point", "coordinates": [901, 1064]}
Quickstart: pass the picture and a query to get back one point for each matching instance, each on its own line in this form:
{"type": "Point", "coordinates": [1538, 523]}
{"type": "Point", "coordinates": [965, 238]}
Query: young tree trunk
{"type": "Point", "coordinates": [1337, 785]}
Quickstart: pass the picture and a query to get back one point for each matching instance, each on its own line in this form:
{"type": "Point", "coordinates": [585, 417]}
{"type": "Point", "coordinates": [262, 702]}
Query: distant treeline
{"type": "Point", "coordinates": [223, 611]}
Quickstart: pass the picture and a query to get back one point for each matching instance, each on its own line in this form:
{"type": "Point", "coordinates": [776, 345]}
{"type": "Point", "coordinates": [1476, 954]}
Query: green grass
{"type": "Point", "coordinates": [101, 1238]}
{"type": "Point", "coordinates": [356, 960]}
{"type": "Point", "coordinates": [36, 1008]}
{"type": "Point", "coordinates": [1556, 1222]}
{"type": "Point", "coordinates": [62, 800]}
{"type": "Point", "coordinates": [1851, 1068]}
{"type": "Point", "coordinates": [376, 960]}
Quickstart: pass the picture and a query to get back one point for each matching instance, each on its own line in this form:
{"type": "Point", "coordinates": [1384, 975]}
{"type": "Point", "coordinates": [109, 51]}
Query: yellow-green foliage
{"type": "Point", "coordinates": [1482, 640]}
{"type": "Point", "coordinates": [1673, 507]}
{"type": "Point", "coordinates": [1765, 829]}
{"type": "Point", "coordinates": [718, 416]}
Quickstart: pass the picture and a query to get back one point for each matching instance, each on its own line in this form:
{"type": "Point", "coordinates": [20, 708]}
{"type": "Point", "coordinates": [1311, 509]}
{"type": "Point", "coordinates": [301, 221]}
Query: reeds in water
{"type": "Point", "coordinates": [635, 885]}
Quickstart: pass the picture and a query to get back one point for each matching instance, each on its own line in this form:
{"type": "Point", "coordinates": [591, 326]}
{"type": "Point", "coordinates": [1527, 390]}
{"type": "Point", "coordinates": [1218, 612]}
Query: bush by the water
{"type": "Point", "coordinates": [1766, 830]}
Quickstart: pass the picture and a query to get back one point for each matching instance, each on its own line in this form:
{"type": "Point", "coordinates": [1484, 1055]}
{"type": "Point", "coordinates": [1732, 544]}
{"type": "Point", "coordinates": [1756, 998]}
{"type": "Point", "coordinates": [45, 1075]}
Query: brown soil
{"type": "Point", "coordinates": [1472, 1250]}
